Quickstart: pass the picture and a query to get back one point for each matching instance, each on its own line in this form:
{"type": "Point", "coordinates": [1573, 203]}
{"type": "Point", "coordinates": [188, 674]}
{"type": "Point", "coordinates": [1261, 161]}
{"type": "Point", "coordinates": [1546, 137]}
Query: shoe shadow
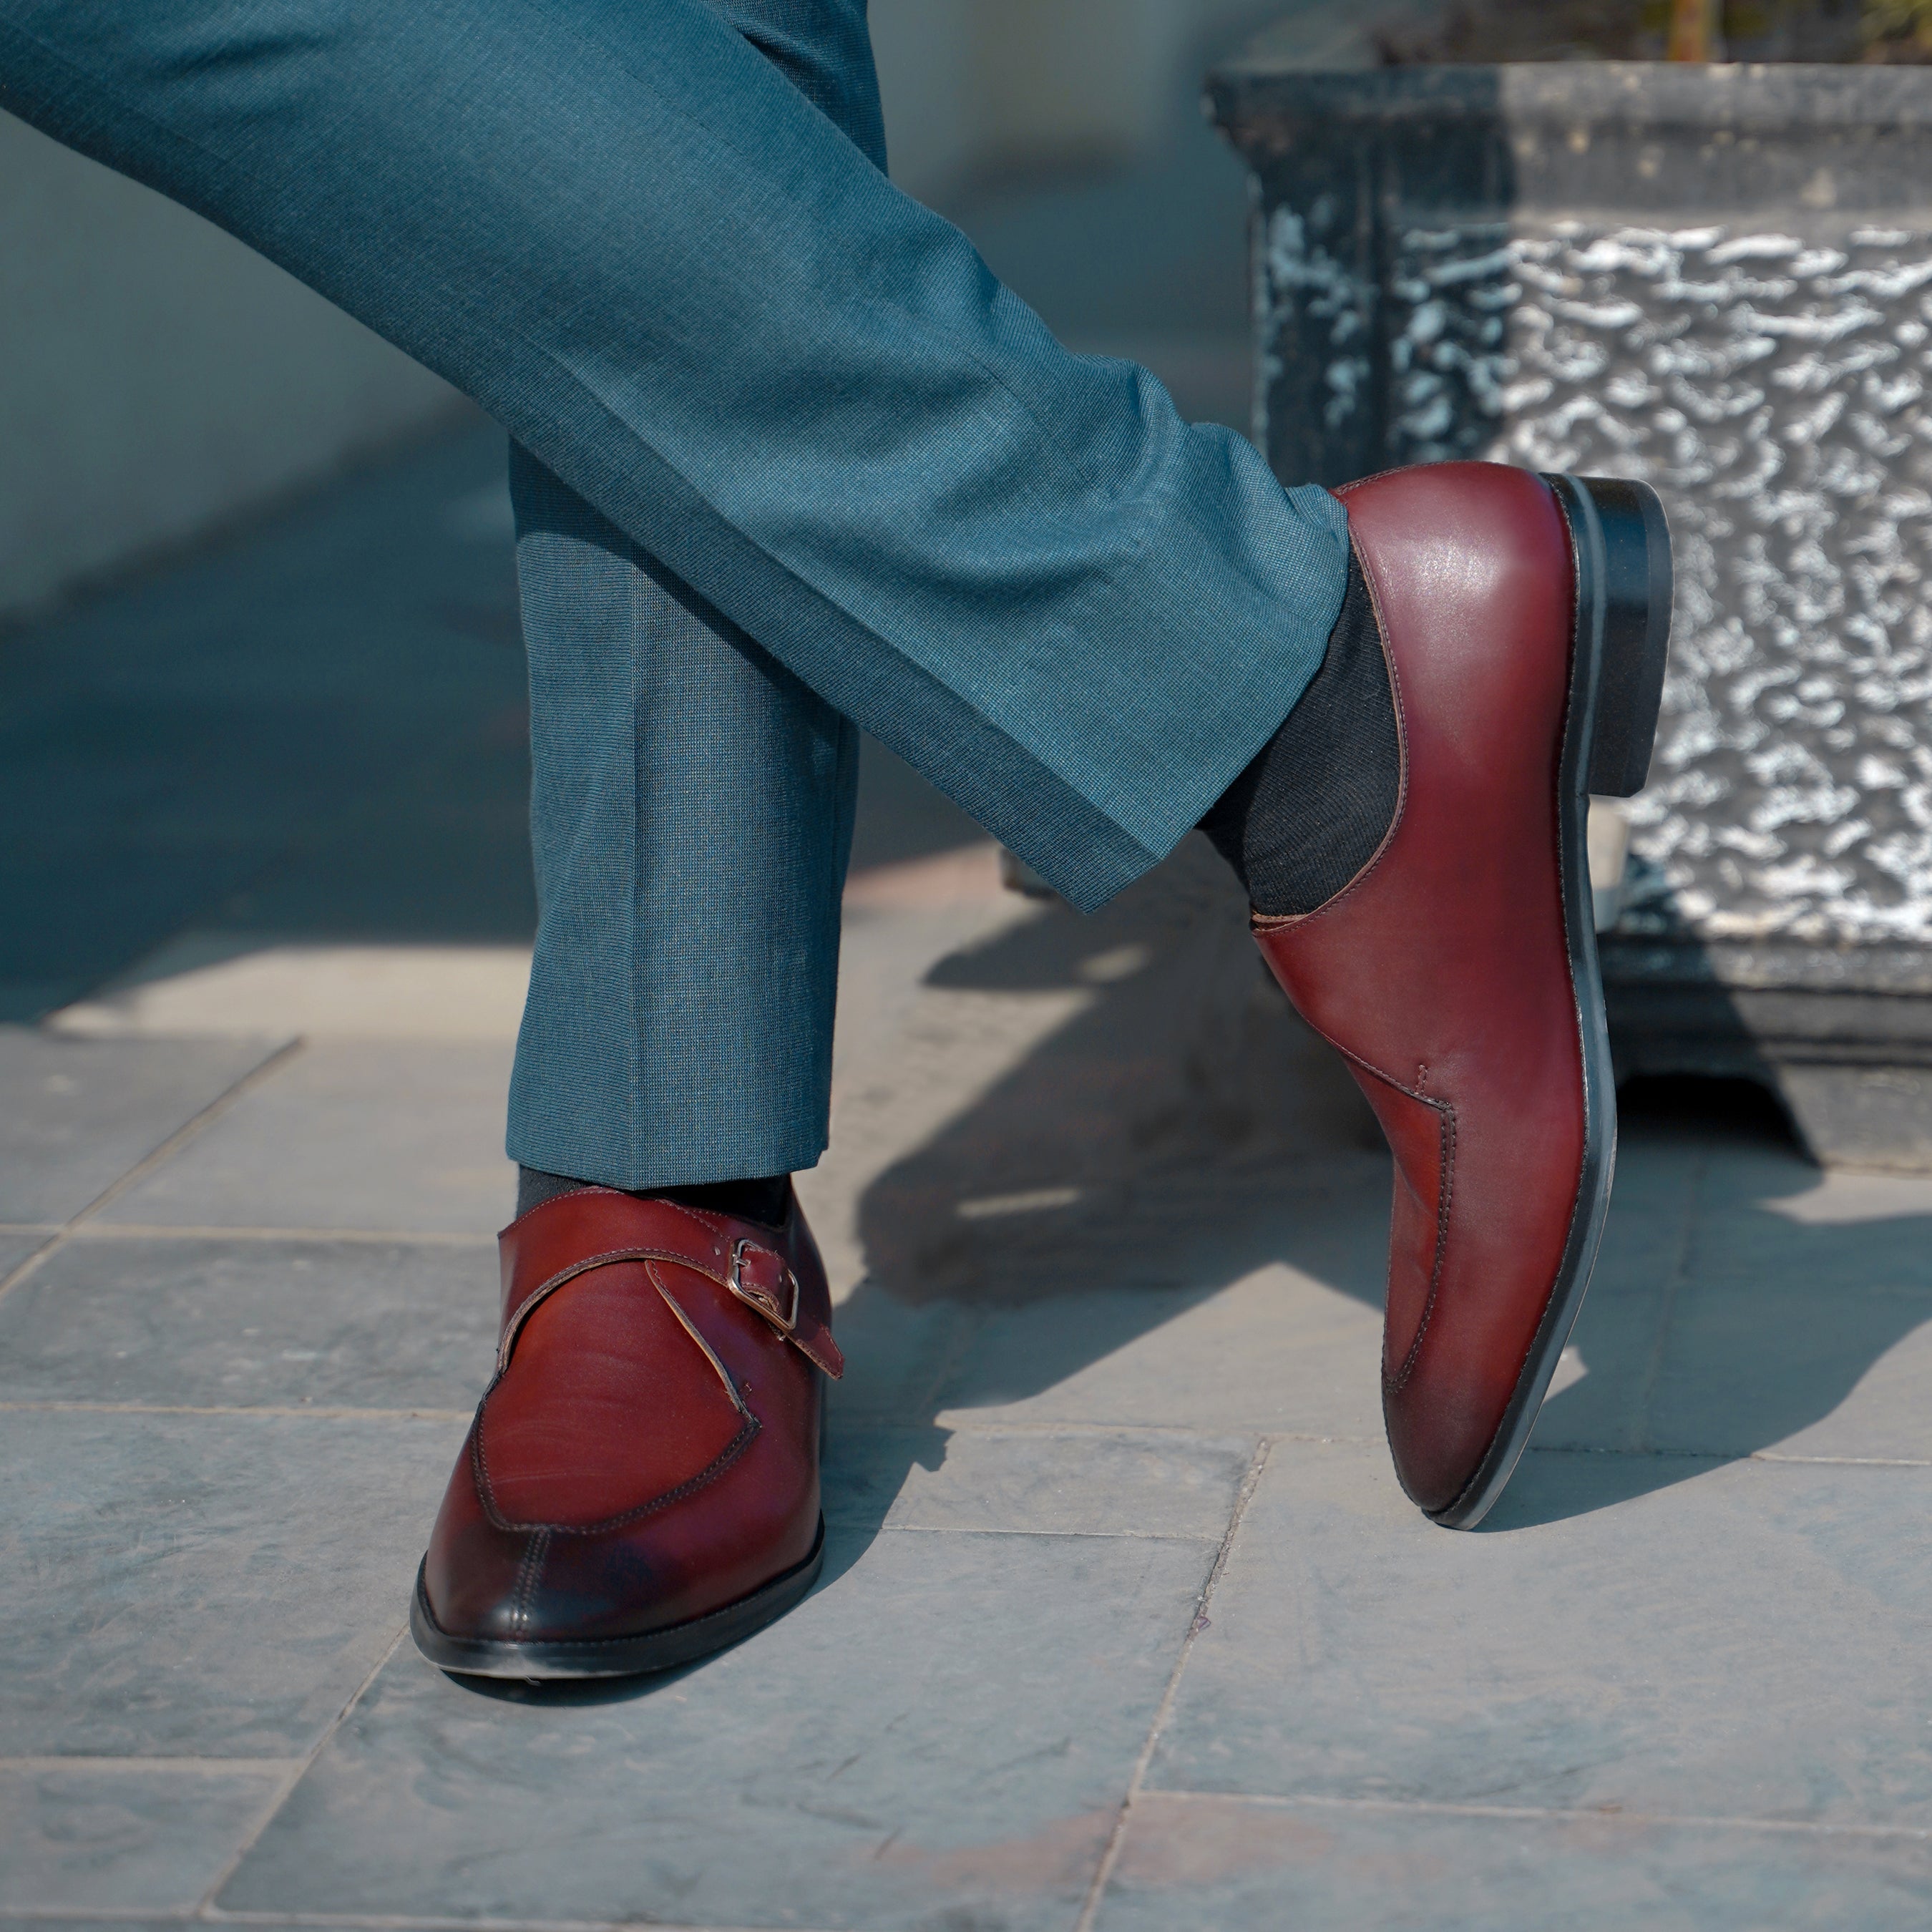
{"type": "Point", "coordinates": [1184, 1131]}
{"type": "Point", "coordinates": [1736, 1317]}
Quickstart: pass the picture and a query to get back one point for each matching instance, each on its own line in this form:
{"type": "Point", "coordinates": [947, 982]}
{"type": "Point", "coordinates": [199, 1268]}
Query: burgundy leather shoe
{"type": "Point", "coordinates": [1525, 620]}
{"type": "Point", "coordinates": [641, 1485]}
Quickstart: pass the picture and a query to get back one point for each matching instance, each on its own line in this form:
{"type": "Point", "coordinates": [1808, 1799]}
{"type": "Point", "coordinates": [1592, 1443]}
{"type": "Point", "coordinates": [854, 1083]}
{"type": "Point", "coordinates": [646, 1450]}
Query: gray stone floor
{"type": "Point", "coordinates": [1125, 1624]}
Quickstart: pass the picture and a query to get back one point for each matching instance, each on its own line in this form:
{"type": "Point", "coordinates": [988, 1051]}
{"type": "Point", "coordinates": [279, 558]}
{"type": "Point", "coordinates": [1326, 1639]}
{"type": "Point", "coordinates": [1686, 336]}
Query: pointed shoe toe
{"type": "Point", "coordinates": [1524, 619]}
{"type": "Point", "coordinates": [640, 1486]}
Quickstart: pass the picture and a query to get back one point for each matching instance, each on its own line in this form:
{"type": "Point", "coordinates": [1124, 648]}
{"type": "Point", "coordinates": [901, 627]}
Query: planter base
{"type": "Point", "coordinates": [1842, 1039]}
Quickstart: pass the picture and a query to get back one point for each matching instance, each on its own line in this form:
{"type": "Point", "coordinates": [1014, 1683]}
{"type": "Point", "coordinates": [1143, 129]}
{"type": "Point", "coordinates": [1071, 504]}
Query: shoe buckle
{"type": "Point", "coordinates": [761, 1280]}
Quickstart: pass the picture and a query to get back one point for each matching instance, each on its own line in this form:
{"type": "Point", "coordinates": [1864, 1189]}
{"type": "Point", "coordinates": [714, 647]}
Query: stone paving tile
{"type": "Point", "coordinates": [1227, 1294]}
{"type": "Point", "coordinates": [1222, 1864]}
{"type": "Point", "coordinates": [89, 905]}
{"type": "Point", "coordinates": [1277, 1351]}
{"type": "Point", "coordinates": [1600, 1399]}
{"type": "Point", "coordinates": [895, 1354]}
{"type": "Point", "coordinates": [388, 1134]}
{"type": "Point", "coordinates": [1797, 1316]}
{"type": "Point", "coordinates": [29, 1921]}
{"type": "Point", "coordinates": [202, 1585]}
{"type": "Point", "coordinates": [1849, 1198]}
{"type": "Point", "coordinates": [92, 1837]}
{"type": "Point", "coordinates": [1823, 1229]}
{"type": "Point", "coordinates": [1819, 1356]}
{"type": "Point", "coordinates": [1742, 1163]}
{"type": "Point", "coordinates": [196, 1323]}
{"type": "Point", "coordinates": [15, 1247]}
{"type": "Point", "coordinates": [1660, 1634]}
{"type": "Point", "coordinates": [1291, 1345]}
{"type": "Point", "coordinates": [76, 1114]}
{"type": "Point", "coordinates": [313, 728]}
{"type": "Point", "coordinates": [940, 1736]}
{"type": "Point", "coordinates": [1115, 1482]}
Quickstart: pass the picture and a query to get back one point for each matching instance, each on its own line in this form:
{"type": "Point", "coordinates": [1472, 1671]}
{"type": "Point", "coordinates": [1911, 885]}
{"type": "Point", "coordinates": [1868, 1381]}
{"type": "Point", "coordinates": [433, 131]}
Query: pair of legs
{"type": "Point", "coordinates": [790, 462]}
{"type": "Point", "coordinates": [787, 459]}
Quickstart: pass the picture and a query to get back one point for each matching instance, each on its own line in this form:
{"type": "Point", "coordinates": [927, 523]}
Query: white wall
{"type": "Point", "coordinates": [975, 87]}
{"type": "Point", "coordinates": [156, 377]}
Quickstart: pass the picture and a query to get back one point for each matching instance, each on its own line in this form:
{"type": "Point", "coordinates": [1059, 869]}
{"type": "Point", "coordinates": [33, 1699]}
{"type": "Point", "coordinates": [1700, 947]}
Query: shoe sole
{"type": "Point", "coordinates": [1621, 543]}
{"type": "Point", "coordinates": [541, 1662]}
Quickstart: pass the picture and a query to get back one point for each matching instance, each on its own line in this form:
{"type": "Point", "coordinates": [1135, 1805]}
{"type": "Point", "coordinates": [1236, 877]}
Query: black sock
{"type": "Point", "coordinates": [764, 1201]}
{"type": "Point", "coordinates": [1309, 811]}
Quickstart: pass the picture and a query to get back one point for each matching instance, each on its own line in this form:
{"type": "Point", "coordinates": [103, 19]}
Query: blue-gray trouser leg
{"type": "Point", "coordinates": [619, 227]}
{"type": "Point", "coordinates": [690, 843]}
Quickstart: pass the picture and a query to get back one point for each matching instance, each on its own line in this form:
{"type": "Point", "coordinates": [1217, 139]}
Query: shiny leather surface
{"type": "Point", "coordinates": [648, 1451]}
{"type": "Point", "coordinates": [1442, 971]}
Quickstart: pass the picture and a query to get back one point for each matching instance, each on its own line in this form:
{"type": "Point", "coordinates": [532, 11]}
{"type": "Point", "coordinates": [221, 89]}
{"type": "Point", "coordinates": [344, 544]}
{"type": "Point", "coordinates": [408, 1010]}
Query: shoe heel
{"type": "Point", "coordinates": [1622, 547]}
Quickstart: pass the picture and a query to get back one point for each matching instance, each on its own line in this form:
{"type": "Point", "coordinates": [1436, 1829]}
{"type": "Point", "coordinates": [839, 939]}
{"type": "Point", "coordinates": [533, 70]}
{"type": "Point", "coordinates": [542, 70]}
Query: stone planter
{"type": "Point", "coordinates": [1719, 280]}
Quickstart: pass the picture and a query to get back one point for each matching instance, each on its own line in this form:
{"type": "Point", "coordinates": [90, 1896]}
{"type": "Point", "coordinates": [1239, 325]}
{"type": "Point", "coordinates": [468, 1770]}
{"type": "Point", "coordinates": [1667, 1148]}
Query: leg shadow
{"type": "Point", "coordinates": [1184, 1131]}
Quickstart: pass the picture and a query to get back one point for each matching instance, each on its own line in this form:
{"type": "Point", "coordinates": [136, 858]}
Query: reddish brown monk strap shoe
{"type": "Point", "coordinates": [641, 1485]}
{"type": "Point", "coordinates": [1524, 619]}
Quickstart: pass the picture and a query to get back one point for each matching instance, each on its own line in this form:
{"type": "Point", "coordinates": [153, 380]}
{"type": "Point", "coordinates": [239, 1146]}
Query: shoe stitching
{"type": "Point", "coordinates": [703, 1216]}
{"type": "Point", "coordinates": [527, 1573]}
{"type": "Point", "coordinates": [1342, 494]}
{"type": "Point", "coordinates": [1446, 1128]}
{"type": "Point", "coordinates": [1260, 923]}
{"type": "Point", "coordinates": [1369, 1067]}
{"type": "Point", "coordinates": [709, 1474]}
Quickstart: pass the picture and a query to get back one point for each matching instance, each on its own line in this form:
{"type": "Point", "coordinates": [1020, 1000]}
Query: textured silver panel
{"type": "Point", "coordinates": [1772, 385]}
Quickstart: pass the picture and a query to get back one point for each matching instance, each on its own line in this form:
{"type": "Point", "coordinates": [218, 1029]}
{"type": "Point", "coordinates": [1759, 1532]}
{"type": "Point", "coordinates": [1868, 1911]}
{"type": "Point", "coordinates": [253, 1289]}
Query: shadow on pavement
{"type": "Point", "coordinates": [1768, 1323]}
{"type": "Point", "coordinates": [312, 726]}
{"type": "Point", "coordinates": [1184, 1131]}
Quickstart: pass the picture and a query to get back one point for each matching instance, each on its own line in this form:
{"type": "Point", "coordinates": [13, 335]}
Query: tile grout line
{"type": "Point", "coordinates": [1533, 1814]}
{"type": "Point", "coordinates": [382, 1922]}
{"type": "Point", "coordinates": [860, 1427]}
{"type": "Point", "coordinates": [229, 1095]}
{"type": "Point", "coordinates": [1693, 1196]}
{"type": "Point", "coordinates": [205, 1908]}
{"type": "Point", "coordinates": [157, 1230]}
{"type": "Point", "coordinates": [1727, 1456]}
{"type": "Point", "coordinates": [961, 1422]}
{"type": "Point", "coordinates": [173, 1767]}
{"type": "Point", "coordinates": [962, 1338]}
{"type": "Point", "coordinates": [1110, 1855]}
{"type": "Point", "coordinates": [1008, 1529]}
{"type": "Point", "coordinates": [324, 1411]}
{"type": "Point", "coordinates": [349, 1922]}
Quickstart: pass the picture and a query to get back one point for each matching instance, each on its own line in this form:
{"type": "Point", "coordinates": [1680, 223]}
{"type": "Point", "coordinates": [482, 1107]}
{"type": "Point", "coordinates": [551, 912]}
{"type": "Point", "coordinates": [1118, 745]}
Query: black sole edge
{"type": "Point", "coordinates": [1618, 643]}
{"type": "Point", "coordinates": [614, 1657]}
